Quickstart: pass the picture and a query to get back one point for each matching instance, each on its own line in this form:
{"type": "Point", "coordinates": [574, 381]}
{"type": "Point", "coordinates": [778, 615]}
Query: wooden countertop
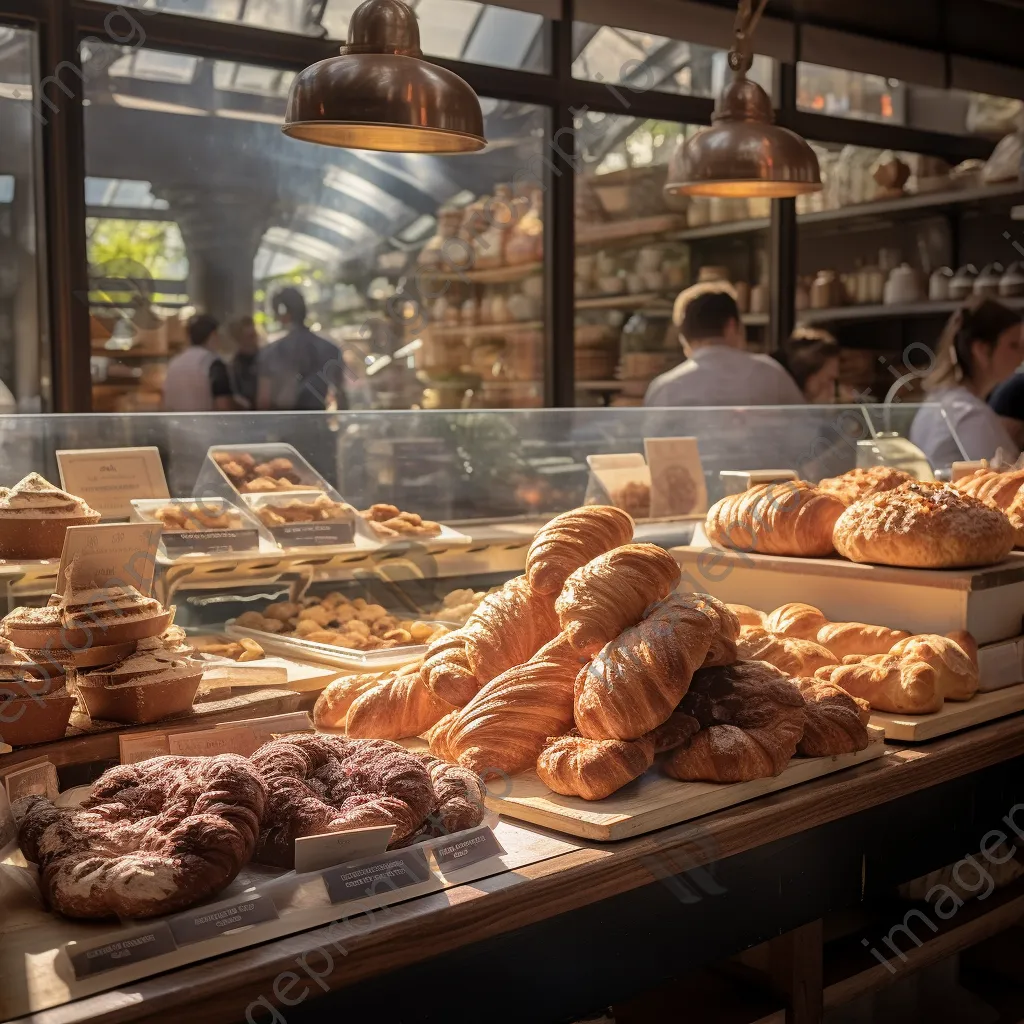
{"type": "Point", "coordinates": [219, 991]}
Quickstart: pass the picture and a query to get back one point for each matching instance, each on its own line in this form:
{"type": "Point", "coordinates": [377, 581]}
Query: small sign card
{"type": "Point", "coordinates": [33, 778]}
{"type": "Point", "coordinates": [144, 944]}
{"type": "Point", "coordinates": [305, 535]}
{"type": "Point", "coordinates": [210, 542]}
{"type": "Point", "coordinates": [464, 849]}
{"type": "Point", "coordinates": [210, 922]}
{"type": "Point", "coordinates": [388, 873]}
{"type": "Point", "coordinates": [740, 480]}
{"type": "Point", "coordinates": [105, 556]}
{"type": "Point", "coordinates": [314, 853]}
{"type": "Point", "coordinates": [620, 480]}
{"type": "Point", "coordinates": [678, 487]}
{"type": "Point", "coordinates": [108, 478]}
{"type": "Point", "coordinates": [265, 729]}
{"type": "Point", "coordinates": [238, 739]}
{"type": "Point", "coordinates": [142, 746]}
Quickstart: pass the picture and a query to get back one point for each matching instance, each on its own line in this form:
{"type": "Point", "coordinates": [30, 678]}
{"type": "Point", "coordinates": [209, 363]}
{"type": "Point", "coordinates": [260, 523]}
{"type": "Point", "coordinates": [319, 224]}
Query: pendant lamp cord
{"type": "Point", "coordinates": [747, 17]}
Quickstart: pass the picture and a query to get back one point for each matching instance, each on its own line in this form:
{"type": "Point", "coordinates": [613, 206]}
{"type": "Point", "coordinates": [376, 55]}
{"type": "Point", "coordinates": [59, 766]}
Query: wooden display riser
{"type": "Point", "coordinates": [36, 973]}
{"type": "Point", "coordinates": [988, 603]}
{"type": "Point", "coordinates": [654, 800]}
{"type": "Point", "coordinates": [87, 741]}
{"type": "Point", "coordinates": [954, 716]}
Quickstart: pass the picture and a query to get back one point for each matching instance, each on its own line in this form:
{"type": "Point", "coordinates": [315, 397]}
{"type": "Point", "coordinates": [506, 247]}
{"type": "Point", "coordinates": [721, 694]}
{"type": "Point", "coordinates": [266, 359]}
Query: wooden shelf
{"type": "Point", "coordinates": [734, 227]}
{"type": "Point", "coordinates": [628, 231]}
{"type": "Point", "coordinates": [621, 301]}
{"type": "Point", "coordinates": [600, 385]}
{"type": "Point", "coordinates": [487, 330]}
{"type": "Point", "coordinates": [841, 314]}
{"type": "Point", "coordinates": [495, 275]}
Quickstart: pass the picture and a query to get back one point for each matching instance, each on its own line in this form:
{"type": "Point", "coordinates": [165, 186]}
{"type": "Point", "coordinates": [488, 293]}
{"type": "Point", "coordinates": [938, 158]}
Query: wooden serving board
{"type": "Point", "coordinates": [988, 602]}
{"type": "Point", "coordinates": [36, 974]}
{"type": "Point", "coordinates": [954, 716]}
{"type": "Point", "coordinates": [655, 801]}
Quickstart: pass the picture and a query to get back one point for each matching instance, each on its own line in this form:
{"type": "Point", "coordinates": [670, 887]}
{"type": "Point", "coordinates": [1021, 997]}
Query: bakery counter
{"type": "Point", "coordinates": [605, 922]}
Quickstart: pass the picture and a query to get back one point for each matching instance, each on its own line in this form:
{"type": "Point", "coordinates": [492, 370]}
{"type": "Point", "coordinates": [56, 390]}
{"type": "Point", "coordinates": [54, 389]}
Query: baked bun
{"type": "Point", "coordinates": [801, 621]}
{"type": "Point", "coordinates": [862, 483]}
{"type": "Point", "coordinates": [593, 769]}
{"type": "Point", "coordinates": [152, 838]}
{"type": "Point", "coordinates": [846, 638]}
{"type": "Point", "coordinates": [924, 526]}
{"type": "Point", "coordinates": [789, 517]}
{"type": "Point", "coordinates": [790, 655]}
{"type": "Point", "coordinates": [748, 616]}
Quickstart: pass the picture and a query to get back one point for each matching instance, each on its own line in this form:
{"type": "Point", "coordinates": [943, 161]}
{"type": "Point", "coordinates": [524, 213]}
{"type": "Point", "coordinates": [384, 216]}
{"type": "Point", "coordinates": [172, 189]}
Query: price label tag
{"type": "Point", "coordinates": [210, 922]}
{"type": "Point", "coordinates": [143, 746]}
{"type": "Point", "coordinates": [265, 729]}
{"type": "Point", "coordinates": [314, 853]}
{"type": "Point", "coordinates": [144, 944]}
{"type": "Point", "coordinates": [303, 535]}
{"type": "Point", "coordinates": [466, 848]}
{"type": "Point", "coordinates": [36, 778]}
{"type": "Point", "coordinates": [109, 556]}
{"type": "Point", "coordinates": [678, 487]}
{"type": "Point", "coordinates": [210, 542]}
{"type": "Point", "coordinates": [109, 478]}
{"type": "Point", "coordinates": [210, 742]}
{"type": "Point", "coordinates": [378, 877]}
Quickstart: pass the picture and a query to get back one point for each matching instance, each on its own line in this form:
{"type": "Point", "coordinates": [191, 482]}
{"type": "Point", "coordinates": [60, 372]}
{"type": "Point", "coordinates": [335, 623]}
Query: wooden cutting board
{"type": "Point", "coordinates": [654, 800]}
{"type": "Point", "coordinates": [954, 716]}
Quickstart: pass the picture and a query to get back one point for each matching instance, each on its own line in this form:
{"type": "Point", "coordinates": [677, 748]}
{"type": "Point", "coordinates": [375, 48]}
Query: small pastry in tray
{"type": "Point", "coordinates": [389, 523]}
{"type": "Point", "coordinates": [321, 510]}
{"type": "Point", "coordinates": [243, 650]}
{"type": "Point", "coordinates": [194, 516]}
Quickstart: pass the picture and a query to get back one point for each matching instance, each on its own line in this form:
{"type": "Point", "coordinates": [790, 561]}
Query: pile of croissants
{"type": "Point", "coordinates": [589, 667]}
{"type": "Point", "coordinates": [878, 515]}
{"type": "Point", "coordinates": [890, 669]}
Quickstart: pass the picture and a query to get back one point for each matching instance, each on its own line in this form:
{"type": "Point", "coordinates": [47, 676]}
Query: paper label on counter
{"type": "Point", "coordinates": [382, 875]}
{"type": "Point", "coordinates": [302, 535]}
{"type": "Point", "coordinates": [122, 554]}
{"type": "Point", "coordinates": [109, 478]}
{"type": "Point", "coordinates": [142, 746]}
{"type": "Point", "coordinates": [265, 729]}
{"type": "Point", "coordinates": [466, 848]}
{"type": "Point", "coordinates": [37, 778]}
{"type": "Point", "coordinates": [210, 742]}
{"type": "Point", "coordinates": [144, 944]}
{"type": "Point", "coordinates": [210, 542]}
{"type": "Point", "coordinates": [314, 853]}
{"type": "Point", "coordinates": [210, 922]}
{"type": "Point", "coordinates": [678, 487]}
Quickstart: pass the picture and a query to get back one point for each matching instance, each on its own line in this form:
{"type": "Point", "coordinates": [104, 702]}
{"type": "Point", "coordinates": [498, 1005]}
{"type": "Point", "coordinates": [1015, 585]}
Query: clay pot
{"type": "Point", "coordinates": [26, 721]}
{"type": "Point", "coordinates": [138, 703]}
{"type": "Point", "coordinates": [81, 641]}
{"type": "Point", "coordinates": [37, 538]}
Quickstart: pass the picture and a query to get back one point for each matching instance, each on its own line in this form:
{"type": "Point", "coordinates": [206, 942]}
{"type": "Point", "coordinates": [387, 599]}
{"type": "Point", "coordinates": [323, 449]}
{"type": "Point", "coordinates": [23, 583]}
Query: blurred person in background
{"type": "Point", "coordinates": [981, 347]}
{"type": "Point", "coordinates": [198, 380]}
{"type": "Point", "coordinates": [300, 371]}
{"type": "Point", "coordinates": [811, 357]}
{"type": "Point", "coordinates": [719, 371]}
{"type": "Point", "coordinates": [243, 370]}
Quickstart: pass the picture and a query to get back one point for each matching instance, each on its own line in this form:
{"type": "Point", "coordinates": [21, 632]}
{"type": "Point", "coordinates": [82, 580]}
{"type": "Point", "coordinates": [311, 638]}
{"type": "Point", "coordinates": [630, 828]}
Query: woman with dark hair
{"type": "Point", "coordinates": [812, 358]}
{"type": "Point", "coordinates": [981, 347]}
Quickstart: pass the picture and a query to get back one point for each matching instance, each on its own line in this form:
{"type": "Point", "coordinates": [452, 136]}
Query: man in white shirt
{"type": "Point", "coordinates": [718, 369]}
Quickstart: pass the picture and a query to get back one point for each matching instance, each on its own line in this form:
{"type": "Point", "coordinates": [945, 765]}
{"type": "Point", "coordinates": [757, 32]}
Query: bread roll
{"type": "Point", "coordinates": [788, 654]}
{"type": "Point", "coordinates": [801, 621]}
{"type": "Point", "coordinates": [924, 526]}
{"type": "Point", "coordinates": [846, 638]}
{"type": "Point", "coordinates": [788, 517]}
{"type": "Point", "coordinates": [862, 483]}
{"type": "Point", "coordinates": [748, 616]}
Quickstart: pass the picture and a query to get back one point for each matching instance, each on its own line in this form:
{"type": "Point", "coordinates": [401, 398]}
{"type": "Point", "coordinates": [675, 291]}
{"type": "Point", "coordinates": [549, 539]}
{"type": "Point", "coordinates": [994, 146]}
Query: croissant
{"type": "Point", "coordinates": [437, 737]}
{"type": "Point", "coordinates": [797, 620]}
{"type": "Point", "coordinates": [639, 678]}
{"type": "Point", "coordinates": [957, 672]}
{"type": "Point", "coordinates": [400, 706]}
{"type": "Point", "coordinates": [1003, 491]}
{"type": "Point", "coordinates": [846, 638]}
{"type": "Point", "coordinates": [748, 616]}
{"type": "Point", "coordinates": [593, 769]}
{"type": "Point", "coordinates": [836, 722]}
{"type": "Point", "coordinates": [446, 671]}
{"type": "Point", "coordinates": [509, 627]}
{"type": "Point", "coordinates": [506, 725]}
{"type": "Point", "coordinates": [790, 655]}
{"type": "Point", "coordinates": [760, 719]}
{"type": "Point", "coordinates": [613, 592]}
{"type": "Point", "coordinates": [787, 517]}
{"type": "Point", "coordinates": [571, 540]}
{"type": "Point", "coordinates": [333, 705]}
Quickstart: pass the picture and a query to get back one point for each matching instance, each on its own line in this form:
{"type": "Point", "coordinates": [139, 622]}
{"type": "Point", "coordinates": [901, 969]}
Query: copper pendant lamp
{"type": "Point", "coordinates": [381, 94]}
{"type": "Point", "coordinates": [744, 153]}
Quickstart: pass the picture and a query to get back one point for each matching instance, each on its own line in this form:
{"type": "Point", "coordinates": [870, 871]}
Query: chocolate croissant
{"type": "Point", "coordinates": [613, 592]}
{"type": "Point", "coordinates": [506, 725]}
{"type": "Point", "coordinates": [638, 679]}
{"type": "Point", "coordinates": [836, 722]}
{"type": "Point", "coordinates": [789, 517]}
{"type": "Point", "coordinates": [593, 769]}
{"type": "Point", "coordinates": [571, 540]}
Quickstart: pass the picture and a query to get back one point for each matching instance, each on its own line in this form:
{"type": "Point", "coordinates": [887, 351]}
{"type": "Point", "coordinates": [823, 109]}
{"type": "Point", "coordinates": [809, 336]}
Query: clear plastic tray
{"type": "Point", "coordinates": [176, 543]}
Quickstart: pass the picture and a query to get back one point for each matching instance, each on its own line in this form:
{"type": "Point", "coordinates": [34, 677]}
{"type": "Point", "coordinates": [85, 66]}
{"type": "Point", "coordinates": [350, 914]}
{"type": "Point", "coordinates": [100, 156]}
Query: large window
{"type": "Point", "coordinates": [24, 370]}
{"type": "Point", "coordinates": [425, 271]}
{"type": "Point", "coordinates": [453, 29]}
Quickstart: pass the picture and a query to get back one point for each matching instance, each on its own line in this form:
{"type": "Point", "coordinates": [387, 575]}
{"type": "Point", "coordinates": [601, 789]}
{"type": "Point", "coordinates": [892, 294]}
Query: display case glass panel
{"type": "Point", "coordinates": [425, 271]}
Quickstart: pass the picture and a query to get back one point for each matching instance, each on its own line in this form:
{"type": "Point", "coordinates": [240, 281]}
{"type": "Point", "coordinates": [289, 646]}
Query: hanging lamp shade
{"type": "Point", "coordinates": [744, 153]}
{"type": "Point", "coordinates": [380, 93]}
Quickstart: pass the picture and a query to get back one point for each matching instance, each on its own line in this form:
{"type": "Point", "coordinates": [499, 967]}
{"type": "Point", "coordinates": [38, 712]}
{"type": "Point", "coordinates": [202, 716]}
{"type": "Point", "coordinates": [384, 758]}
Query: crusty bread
{"type": "Point", "coordinates": [862, 483]}
{"type": "Point", "coordinates": [924, 526]}
{"type": "Point", "coordinates": [846, 638]}
{"type": "Point", "coordinates": [789, 517]}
